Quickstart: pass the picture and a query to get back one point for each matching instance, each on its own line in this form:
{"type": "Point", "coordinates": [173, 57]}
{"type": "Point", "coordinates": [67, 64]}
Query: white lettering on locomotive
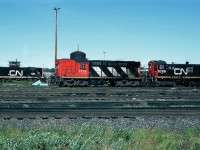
{"type": "Point", "coordinates": [15, 73]}
{"type": "Point", "coordinates": [162, 71]}
{"type": "Point", "coordinates": [180, 71]}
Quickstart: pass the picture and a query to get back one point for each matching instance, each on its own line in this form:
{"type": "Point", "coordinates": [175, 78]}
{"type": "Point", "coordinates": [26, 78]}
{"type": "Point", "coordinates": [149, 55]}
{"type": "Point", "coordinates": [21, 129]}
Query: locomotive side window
{"type": "Point", "coordinates": [83, 67]}
{"type": "Point", "coordinates": [161, 67]}
{"type": "Point", "coordinates": [150, 66]}
{"type": "Point", "coordinates": [189, 69]}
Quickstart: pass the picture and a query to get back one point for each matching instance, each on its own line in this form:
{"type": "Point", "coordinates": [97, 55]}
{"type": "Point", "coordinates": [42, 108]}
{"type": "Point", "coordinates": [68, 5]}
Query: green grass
{"type": "Point", "coordinates": [96, 137]}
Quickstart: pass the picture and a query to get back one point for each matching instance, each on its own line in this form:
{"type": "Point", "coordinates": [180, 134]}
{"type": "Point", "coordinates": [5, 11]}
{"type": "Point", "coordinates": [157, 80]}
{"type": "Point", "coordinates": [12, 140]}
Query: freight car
{"type": "Point", "coordinates": [15, 72]}
{"type": "Point", "coordinates": [161, 73]}
{"type": "Point", "coordinates": [79, 71]}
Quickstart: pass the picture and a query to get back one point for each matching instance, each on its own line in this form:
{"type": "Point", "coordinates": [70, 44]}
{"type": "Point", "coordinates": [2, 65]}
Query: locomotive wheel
{"type": "Point", "coordinates": [122, 83]}
{"type": "Point", "coordinates": [61, 84]}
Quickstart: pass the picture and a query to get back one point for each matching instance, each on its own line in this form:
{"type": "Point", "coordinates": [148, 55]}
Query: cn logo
{"type": "Point", "coordinates": [180, 71]}
{"type": "Point", "coordinates": [15, 73]}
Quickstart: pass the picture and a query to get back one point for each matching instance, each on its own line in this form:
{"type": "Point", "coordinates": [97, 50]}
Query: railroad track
{"type": "Point", "coordinates": [98, 102]}
{"type": "Point", "coordinates": [99, 109]}
{"type": "Point", "coordinates": [17, 94]}
{"type": "Point", "coordinates": [99, 113]}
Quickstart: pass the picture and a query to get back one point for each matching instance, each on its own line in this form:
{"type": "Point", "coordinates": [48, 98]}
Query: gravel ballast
{"type": "Point", "coordinates": [169, 123]}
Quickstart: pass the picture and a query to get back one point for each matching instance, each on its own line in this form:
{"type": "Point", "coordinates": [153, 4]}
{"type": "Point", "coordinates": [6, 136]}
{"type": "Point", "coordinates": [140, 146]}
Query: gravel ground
{"type": "Point", "coordinates": [170, 123]}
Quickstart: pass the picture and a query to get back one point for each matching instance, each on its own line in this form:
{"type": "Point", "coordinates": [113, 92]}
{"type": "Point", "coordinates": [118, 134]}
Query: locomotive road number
{"type": "Point", "coordinates": [162, 71]}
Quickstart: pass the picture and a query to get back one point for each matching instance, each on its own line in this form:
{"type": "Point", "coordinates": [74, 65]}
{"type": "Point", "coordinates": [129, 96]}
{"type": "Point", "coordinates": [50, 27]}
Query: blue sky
{"type": "Point", "coordinates": [139, 30]}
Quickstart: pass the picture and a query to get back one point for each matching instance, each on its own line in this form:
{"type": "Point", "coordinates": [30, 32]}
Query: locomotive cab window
{"type": "Point", "coordinates": [161, 67]}
{"type": "Point", "coordinates": [155, 67]}
{"type": "Point", "coordinates": [150, 66]}
{"type": "Point", "coordinates": [82, 67]}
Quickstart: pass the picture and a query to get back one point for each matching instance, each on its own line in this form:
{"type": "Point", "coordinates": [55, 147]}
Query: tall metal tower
{"type": "Point", "coordinates": [56, 28]}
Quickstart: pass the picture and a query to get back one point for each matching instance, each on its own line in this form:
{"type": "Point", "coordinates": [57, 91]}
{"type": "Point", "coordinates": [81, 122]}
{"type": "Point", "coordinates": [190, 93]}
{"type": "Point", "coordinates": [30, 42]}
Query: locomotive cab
{"type": "Point", "coordinates": [76, 66]}
{"type": "Point", "coordinates": [14, 64]}
{"type": "Point", "coordinates": [157, 68]}
{"type": "Point", "coordinates": [72, 71]}
{"type": "Point", "coordinates": [157, 72]}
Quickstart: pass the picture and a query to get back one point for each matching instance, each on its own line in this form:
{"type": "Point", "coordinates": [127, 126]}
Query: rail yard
{"type": "Point", "coordinates": [100, 104]}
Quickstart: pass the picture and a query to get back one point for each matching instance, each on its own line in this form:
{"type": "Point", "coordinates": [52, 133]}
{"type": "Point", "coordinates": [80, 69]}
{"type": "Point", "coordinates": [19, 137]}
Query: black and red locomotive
{"type": "Point", "coordinates": [79, 71]}
{"type": "Point", "coordinates": [161, 73]}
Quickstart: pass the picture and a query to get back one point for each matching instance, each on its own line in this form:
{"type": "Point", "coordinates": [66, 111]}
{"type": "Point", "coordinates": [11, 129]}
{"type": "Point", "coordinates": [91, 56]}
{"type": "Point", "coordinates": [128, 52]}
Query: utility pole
{"type": "Point", "coordinates": [56, 28]}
